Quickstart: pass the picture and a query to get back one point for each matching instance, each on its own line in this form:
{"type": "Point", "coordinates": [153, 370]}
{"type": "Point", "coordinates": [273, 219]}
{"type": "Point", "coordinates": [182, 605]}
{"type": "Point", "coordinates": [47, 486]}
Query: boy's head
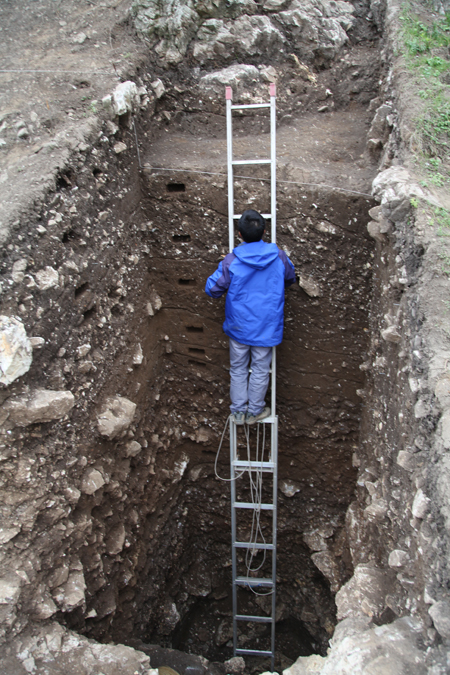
{"type": "Point", "coordinates": [251, 226]}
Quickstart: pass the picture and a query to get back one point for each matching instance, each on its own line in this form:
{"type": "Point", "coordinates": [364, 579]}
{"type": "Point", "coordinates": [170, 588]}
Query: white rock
{"type": "Point", "coordinates": [79, 38]}
{"type": "Point", "coordinates": [92, 481]}
{"type": "Point", "coordinates": [289, 487]}
{"type": "Point", "coordinates": [18, 270]}
{"type": "Point", "coordinates": [133, 448]}
{"type": "Point", "coordinates": [440, 613]}
{"type": "Point", "coordinates": [41, 405]}
{"type": "Point", "coordinates": [306, 665]}
{"type": "Point", "coordinates": [37, 342]}
{"type": "Point", "coordinates": [119, 147]}
{"type": "Point", "coordinates": [310, 286]}
{"type": "Point", "coordinates": [395, 188]}
{"type": "Point", "coordinates": [398, 558]}
{"type": "Point", "coordinates": [124, 97]}
{"type": "Point", "coordinates": [116, 416]}
{"type": "Point", "coordinates": [47, 278]}
{"type": "Point", "coordinates": [138, 355]}
{"type": "Point", "coordinates": [391, 334]}
{"type": "Point", "coordinates": [9, 590]}
{"type": "Point", "coordinates": [420, 504]}
{"type": "Point", "coordinates": [16, 353]}
{"type": "Point", "coordinates": [237, 77]}
{"type": "Point", "coordinates": [159, 88]}
{"type": "Point", "coordinates": [246, 36]}
{"type": "Point", "coordinates": [115, 540]}
{"type": "Point", "coordinates": [365, 592]}
{"type": "Point", "coordinates": [71, 594]}
{"type": "Point", "coordinates": [8, 533]}
{"type": "Point", "coordinates": [445, 429]}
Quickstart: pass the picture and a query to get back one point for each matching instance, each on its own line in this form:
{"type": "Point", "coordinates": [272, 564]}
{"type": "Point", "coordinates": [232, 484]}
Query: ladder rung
{"type": "Point", "coordinates": [250, 505]}
{"type": "Point", "coordinates": [253, 466]}
{"type": "Point", "coordinates": [253, 581]}
{"type": "Point", "coordinates": [253, 652]}
{"type": "Point", "coordinates": [264, 215]}
{"type": "Point", "coordinates": [250, 105]}
{"type": "Point", "coordinates": [239, 162]}
{"type": "Point", "coordinates": [247, 544]}
{"type": "Point", "coordinates": [260, 619]}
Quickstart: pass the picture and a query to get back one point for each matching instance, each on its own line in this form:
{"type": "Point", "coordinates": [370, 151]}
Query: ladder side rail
{"type": "Point", "coordinates": [273, 165]}
{"type": "Point", "coordinates": [274, 442]}
{"type": "Point", "coordinates": [229, 97]}
{"type": "Point", "coordinates": [233, 454]}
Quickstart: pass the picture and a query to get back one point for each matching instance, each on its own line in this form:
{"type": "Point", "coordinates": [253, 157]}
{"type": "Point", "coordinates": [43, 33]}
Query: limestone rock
{"type": "Point", "coordinates": [326, 563]}
{"type": "Point", "coordinates": [391, 334]}
{"type": "Point", "coordinates": [18, 270]}
{"type": "Point", "coordinates": [238, 77]}
{"type": "Point", "coordinates": [71, 594]}
{"type": "Point", "coordinates": [310, 286]}
{"type": "Point", "coordinates": [132, 449]}
{"type": "Point", "coordinates": [365, 593]}
{"type": "Point", "coordinates": [395, 188]}
{"type": "Point", "coordinates": [92, 481]}
{"type": "Point", "coordinates": [9, 590]}
{"type": "Point", "coordinates": [124, 98]}
{"type": "Point", "coordinates": [8, 533]}
{"type": "Point", "coordinates": [440, 613]}
{"type": "Point", "coordinates": [115, 540]}
{"type": "Point", "coordinates": [420, 504]}
{"type": "Point", "coordinates": [381, 123]}
{"type": "Point", "coordinates": [306, 665]}
{"type": "Point", "coordinates": [116, 416]}
{"type": "Point", "coordinates": [41, 405]}
{"type": "Point", "coordinates": [16, 353]}
{"type": "Point", "coordinates": [246, 36]}
{"type": "Point", "coordinates": [289, 487]}
{"type": "Point", "coordinates": [47, 278]}
{"type": "Point", "coordinates": [398, 558]}
{"type": "Point", "coordinates": [159, 88]}
{"type": "Point", "coordinates": [43, 606]}
{"type": "Point", "coordinates": [390, 649]}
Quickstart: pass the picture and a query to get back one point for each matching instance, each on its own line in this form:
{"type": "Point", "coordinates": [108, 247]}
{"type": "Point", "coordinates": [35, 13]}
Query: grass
{"type": "Point", "coordinates": [426, 48]}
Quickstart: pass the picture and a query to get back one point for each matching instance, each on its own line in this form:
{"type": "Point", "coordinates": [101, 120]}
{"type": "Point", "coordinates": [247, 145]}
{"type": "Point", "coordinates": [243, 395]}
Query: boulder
{"type": "Point", "coordinates": [116, 416]}
{"type": "Point", "coordinates": [47, 278]}
{"type": "Point", "coordinates": [41, 405]}
{"type": "Point", "coordinates": [246, 36]}
{"type": "Point", "coordinates": [71, 594]}
{"type": "Point", "coordinates": [92, 481]}
{"type": "Point", "coordinates": [125, 97]}
{"type": "Point", "coordinates": [365, 593]}
{"type": "Point", "coordinates": [16, 353]}
{"type": "Point", "coordinates": [440, 613]}
{"type": "Point", "coordinates": [395, 188]}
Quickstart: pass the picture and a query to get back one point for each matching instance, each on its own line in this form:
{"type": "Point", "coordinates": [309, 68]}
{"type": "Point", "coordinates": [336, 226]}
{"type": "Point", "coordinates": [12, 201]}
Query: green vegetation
{"type": "Point", "coordinates": [426, 48]}
{"type": "Point", "coordinates": [441, 218]}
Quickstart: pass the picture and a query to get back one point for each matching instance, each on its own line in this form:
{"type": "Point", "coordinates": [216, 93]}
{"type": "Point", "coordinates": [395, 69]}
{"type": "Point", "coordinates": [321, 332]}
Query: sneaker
{"type": "Point", "coordinates": [239, 418]}
{"type": "Point", "coordinates": [252, 419]}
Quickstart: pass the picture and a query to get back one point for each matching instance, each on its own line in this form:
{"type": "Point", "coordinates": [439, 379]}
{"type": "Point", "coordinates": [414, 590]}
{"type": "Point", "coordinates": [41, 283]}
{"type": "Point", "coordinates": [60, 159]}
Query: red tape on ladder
{"type": "Point", "coordinates": [228, 94]}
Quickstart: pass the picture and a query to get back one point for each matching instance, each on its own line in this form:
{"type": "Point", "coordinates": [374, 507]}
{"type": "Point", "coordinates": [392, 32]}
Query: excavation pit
{"type": "Point", "coordinates": [173, 585]}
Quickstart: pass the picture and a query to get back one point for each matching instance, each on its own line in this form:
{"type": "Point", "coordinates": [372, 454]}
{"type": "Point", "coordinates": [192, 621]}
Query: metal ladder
{"type": "Point", "coordinates": [237, 466]}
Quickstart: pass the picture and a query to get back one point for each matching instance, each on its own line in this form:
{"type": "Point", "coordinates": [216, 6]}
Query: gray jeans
{"type": "Point", "coordinates": [248, 393]}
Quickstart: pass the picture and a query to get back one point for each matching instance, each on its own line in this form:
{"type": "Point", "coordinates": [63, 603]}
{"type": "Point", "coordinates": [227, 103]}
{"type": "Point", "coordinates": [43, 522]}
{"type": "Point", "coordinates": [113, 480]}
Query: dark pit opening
{"type": "Point", "coordinates": [186, 282]}
{"type": "Point", "coordinates": [176, 187]}
{"type": "Point", "coordinates": [181, 237]}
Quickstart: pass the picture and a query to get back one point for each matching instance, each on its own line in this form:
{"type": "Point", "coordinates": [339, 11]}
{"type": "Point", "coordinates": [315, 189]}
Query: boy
{"type": "Point", "coordinates": [255, 275]}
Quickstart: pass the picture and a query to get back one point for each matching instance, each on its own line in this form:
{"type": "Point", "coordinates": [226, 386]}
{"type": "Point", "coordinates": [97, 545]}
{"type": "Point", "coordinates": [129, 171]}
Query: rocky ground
{"type": "Point", "coordinates": [114, 367]}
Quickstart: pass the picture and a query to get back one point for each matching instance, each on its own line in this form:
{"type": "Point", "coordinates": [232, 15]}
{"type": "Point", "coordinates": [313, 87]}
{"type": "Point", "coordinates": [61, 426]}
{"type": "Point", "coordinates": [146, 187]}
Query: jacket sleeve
{"type": "Point", "coordinates": [289, 269]}
{"type": "Point", "coordinates": [218, 283]}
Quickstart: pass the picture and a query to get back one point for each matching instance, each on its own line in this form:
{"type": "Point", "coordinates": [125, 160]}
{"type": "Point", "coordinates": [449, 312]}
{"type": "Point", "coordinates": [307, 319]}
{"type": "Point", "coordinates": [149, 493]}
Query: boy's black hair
{"type": "Point", "coordinates": [251, 225]}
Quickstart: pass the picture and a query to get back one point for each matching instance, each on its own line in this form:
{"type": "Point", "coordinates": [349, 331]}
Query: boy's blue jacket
{"type": "Point", "coordinates": [255, 276]}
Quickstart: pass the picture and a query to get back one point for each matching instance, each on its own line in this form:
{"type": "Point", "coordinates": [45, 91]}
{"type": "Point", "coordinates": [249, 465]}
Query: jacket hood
{"type": "Point", "coordinates": [257, 254]}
